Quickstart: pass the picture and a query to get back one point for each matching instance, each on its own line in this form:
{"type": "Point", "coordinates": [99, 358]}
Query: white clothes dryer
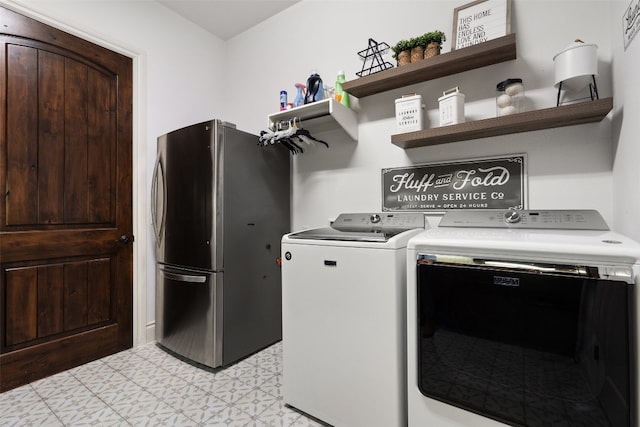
{"type": "Point", "coordinates": [522, 318]}
{"type": "Point", "coordinates": [343, 319]}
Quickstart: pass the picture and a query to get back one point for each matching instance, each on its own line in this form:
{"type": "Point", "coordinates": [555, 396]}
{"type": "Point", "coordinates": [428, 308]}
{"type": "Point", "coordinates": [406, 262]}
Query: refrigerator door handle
{"type": "Point", "coordinates": [158, 174]}
{"type": "Point", "coordinates": [183, 277]}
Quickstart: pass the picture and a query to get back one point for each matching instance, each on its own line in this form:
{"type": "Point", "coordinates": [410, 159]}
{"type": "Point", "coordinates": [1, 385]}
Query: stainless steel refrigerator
{"type": "Point", "coordinates": [220, 206]}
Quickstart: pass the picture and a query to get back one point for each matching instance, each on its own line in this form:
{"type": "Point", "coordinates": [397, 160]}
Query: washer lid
{"type": "Point", "coordinates": [387, 223]}
{"type": "Point", "coordinates": [365, 227]}
{"type": "Point", "coordinates": [350, 236]}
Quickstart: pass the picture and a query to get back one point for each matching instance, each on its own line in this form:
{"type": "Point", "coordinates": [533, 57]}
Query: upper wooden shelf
{"type": "Point", "coordinates": [476, 56]}
{"type": "Point", "coordinates": [564, 115]}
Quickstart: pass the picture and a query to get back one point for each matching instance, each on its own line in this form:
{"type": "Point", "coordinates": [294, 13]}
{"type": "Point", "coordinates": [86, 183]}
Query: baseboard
{"type": "Point", "coordinates": [151, 332]}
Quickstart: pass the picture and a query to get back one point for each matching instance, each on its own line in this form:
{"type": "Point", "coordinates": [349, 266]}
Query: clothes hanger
{"type": "Point", "coordinates": [305, 135]}
{"type": "Point", "coordinates": [288, 136]}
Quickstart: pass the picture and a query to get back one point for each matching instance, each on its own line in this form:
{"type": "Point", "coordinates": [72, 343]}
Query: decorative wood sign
{"type": "Point", "coordinates": [480, 21]}
{"type": "Point", "coordinates": [486, 183]}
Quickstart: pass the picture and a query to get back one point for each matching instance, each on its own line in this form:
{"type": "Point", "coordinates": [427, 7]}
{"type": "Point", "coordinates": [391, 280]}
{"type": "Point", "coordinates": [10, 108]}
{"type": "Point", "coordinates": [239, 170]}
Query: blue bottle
{"type": "Point", "coordinates": [299, 100]}
{"type": "Point", "coordinates": [315, 90]}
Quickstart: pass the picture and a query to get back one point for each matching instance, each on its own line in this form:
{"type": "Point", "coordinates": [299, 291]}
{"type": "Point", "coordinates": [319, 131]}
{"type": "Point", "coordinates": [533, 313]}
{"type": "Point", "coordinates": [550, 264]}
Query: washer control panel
{"type": "Point", "coordinates": [545, 219]}
{"type": "Point", "coordinates": [382, 222]}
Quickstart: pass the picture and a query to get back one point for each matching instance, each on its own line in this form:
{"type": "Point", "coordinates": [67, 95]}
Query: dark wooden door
{"type": "Point", "coordinates": [65, 219]}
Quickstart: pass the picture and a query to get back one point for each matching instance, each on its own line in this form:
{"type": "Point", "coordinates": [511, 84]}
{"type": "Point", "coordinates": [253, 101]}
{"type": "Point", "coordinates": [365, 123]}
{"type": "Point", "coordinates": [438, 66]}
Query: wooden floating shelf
{"type": "Point", "coordinates": [488, 53]}
{"type": "Point", "coordinates": [564, 115]}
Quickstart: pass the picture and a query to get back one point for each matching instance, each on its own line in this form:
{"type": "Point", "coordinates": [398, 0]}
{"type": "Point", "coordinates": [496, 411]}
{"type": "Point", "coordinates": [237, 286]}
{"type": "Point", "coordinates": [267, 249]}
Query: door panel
{"type": "Point", "coordinates": [65, 174]}
{"type": "Point", "coordinates": [42, 190]}
{"type": "Point", "coordinates": [21, 117]}
{"type": "Point", "coordinates": [50, 135]}
{"type": "Point", "coordinates": [46, 300]}
{"type": "Point", "coordinates": [50, 300]}
{"type": "Point", "coordinates": [21, 291]}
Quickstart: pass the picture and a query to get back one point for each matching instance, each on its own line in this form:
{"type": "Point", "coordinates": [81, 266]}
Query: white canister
{"type": "Point", "coordinates": [576, 65]}
{"type": "Point", "coordinates": [409, 113]}
{"type": "Point", "coordinates": [451, 107]}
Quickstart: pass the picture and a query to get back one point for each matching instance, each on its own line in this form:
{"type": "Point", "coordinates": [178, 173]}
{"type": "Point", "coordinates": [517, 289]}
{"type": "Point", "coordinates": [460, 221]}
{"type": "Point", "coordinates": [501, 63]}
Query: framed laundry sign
{"type": "Point", "coordinates": [480, 21]}
{"type": "Point", "coordinates": [484, 183]}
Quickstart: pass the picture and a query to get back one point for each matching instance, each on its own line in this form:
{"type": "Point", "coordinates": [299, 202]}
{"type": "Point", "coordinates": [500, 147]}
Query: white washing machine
{"type": "Point", "coordinates": [522, 318]}
{"type": "Point", "coordinates": [343, 319]}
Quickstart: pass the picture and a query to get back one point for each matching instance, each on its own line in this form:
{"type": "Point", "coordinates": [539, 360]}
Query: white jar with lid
{"type": "Point", "coordinates": [509, 97]}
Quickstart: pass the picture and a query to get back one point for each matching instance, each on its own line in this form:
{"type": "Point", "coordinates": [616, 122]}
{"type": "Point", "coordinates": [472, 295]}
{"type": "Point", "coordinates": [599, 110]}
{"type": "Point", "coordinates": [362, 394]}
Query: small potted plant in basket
{"type": "Point", "coordinates": [402, 52]}
{"type": "Point", "coordinates": [417, 45]}
{"type": "Point", "coordinates": [433, 43]}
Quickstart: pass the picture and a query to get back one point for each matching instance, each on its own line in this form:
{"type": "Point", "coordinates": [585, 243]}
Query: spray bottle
{"type": "Point", "coordinates": [299, 100]}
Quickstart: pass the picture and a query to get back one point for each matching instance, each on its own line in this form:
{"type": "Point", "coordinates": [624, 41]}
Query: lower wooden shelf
{"type": "Point", "coordinates": [564, 115]}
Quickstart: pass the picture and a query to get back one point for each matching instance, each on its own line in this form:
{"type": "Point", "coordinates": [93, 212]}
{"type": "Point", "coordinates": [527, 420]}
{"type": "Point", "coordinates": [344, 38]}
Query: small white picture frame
{"type": "Point", "coordinates": [480, 21]}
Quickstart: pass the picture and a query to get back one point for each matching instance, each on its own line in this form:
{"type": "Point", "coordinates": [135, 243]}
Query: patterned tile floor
{"type": "Point", "coordinates": [146, 386]}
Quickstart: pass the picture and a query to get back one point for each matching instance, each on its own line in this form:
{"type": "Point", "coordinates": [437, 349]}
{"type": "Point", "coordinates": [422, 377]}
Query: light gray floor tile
{"type": "Point", "coordinates": [230, 416]}
{"type": "Point", "coordinates": [35, 419]}
{"type": "Point", "coordinates": [24, 407]}
{"type": "Point", "coordinates": [93, 411]}
{"type": "Point", "coordinates": [202, 409]}
{"type": "Point", "coordinates": [147, 386]}
{"type": "Point", "coordinates": [19, 400]}
{"type": "Point", "coordinates": [58, 384]}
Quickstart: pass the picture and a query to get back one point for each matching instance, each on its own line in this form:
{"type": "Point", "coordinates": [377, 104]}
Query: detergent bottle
{"type": "Point", "coordinates": [315, 89]}
{"type": "Point", "coordinates": [341, 96]}
{"type": "Point", "coordinates": [299, 100]}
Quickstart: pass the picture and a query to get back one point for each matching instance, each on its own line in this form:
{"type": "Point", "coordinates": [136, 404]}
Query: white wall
{"type": "Point", "coordinates": [187, 75]}
{"type": "Point", "coordinates": [626, 128]}
{"type": "Point", "coordinates": [568, 167]}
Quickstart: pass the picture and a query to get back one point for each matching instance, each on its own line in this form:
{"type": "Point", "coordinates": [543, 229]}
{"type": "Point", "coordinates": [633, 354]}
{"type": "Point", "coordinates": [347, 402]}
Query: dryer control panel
{"type": "Point", "coordinates": [392, 223]}
{"type": "Point", "coordinates": [509, 218]}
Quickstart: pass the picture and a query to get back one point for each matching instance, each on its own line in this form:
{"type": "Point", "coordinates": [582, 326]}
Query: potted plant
{"type": "Point", "coordinates": [433, 42]}
{"type": "Point", "coordinates": [401, 52]}
{"type": "Point", "coordinates": [417, 45]}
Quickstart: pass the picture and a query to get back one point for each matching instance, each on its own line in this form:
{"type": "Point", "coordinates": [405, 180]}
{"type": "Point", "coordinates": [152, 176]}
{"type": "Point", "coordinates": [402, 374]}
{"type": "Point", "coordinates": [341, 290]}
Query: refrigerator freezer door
{"type": "Point", "coordinates": [183, 194]}
{"type": "Point", "coordinates": [189, 320]}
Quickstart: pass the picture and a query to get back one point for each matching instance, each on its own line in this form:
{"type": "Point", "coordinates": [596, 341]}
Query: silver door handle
{"type": "Point", "coordinates": [157, 227]}
{"type": "Point", "coordinates": [184, 277]}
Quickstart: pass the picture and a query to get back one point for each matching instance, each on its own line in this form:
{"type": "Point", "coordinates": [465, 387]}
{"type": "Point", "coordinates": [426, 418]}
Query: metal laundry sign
{"type": "Point", "coordinates": [487, 183]}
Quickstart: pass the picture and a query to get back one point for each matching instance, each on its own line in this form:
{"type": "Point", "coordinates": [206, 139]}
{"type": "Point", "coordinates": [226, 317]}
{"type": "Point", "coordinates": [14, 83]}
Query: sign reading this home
{"type": "Point", "coordinates": [487, 183]}
{"type": "Point", "coordinates": [480, 21]}
{"type": "Point", "coordinates": [631, 22]}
